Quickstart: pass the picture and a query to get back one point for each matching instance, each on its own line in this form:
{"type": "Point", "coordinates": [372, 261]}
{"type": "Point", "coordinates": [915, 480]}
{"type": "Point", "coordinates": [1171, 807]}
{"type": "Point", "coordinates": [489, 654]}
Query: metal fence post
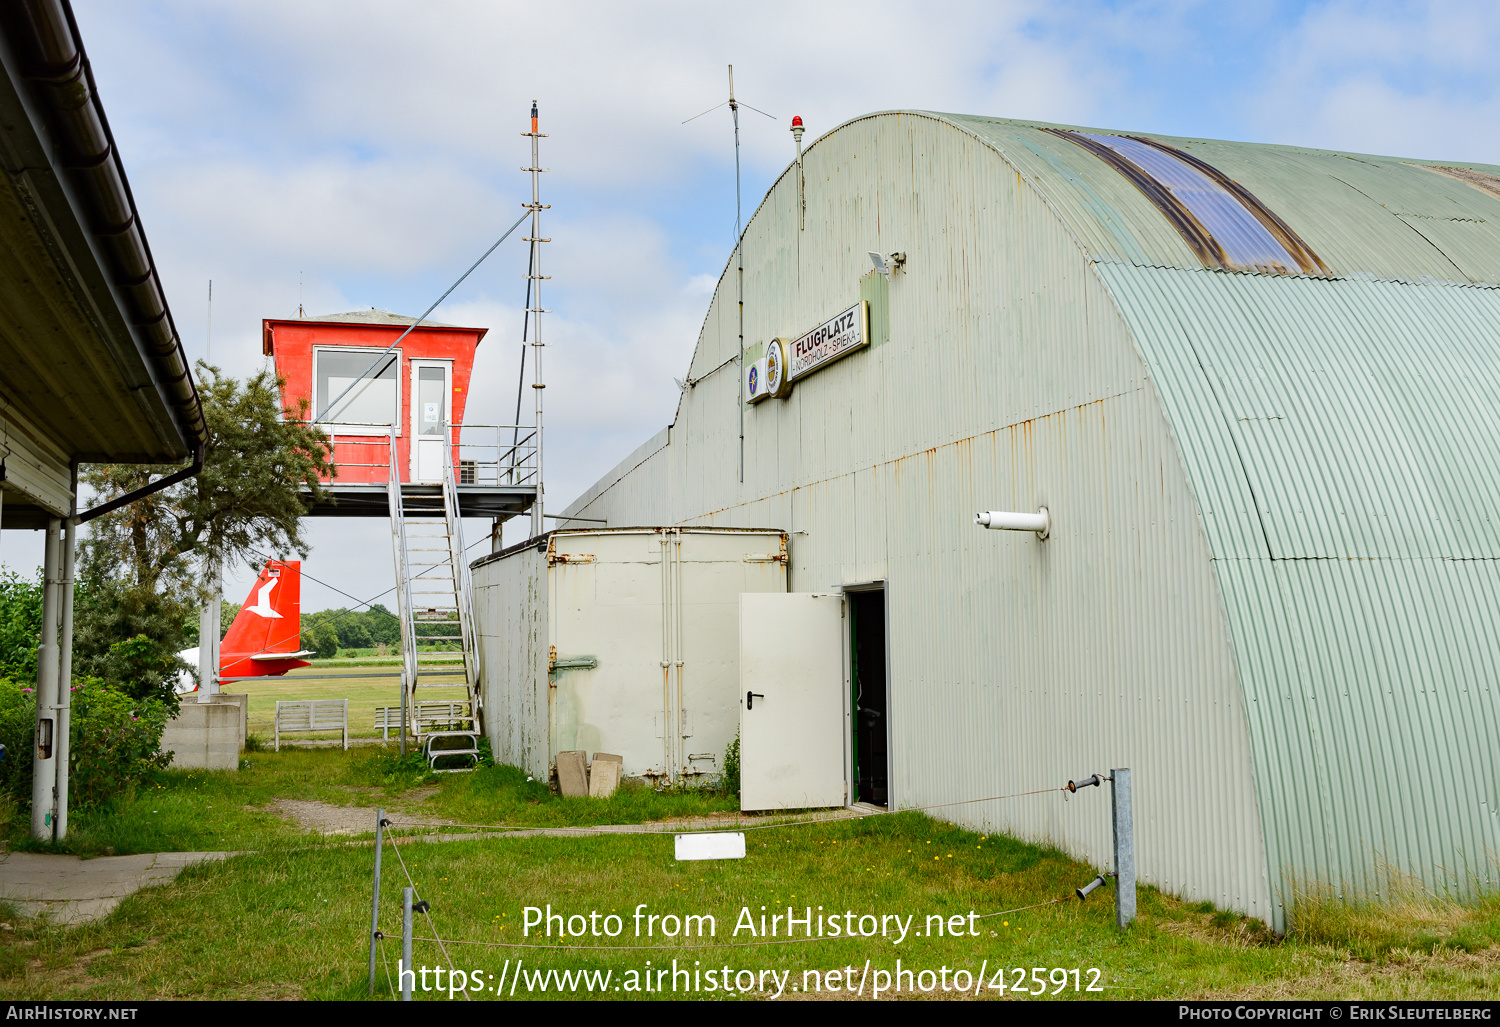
{"type": "Point", "coordinates": [403, 707]}
{"type": "Point", "coordinates": [408, 975]}
{"type": "Point", "coordinates": [1124, 848]}
{"type": "Point", "coordinates": [375, 902]}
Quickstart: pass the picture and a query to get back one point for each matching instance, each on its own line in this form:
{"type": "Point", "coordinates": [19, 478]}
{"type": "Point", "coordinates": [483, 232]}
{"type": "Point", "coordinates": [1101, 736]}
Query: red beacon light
{"type": "Point", "coordinates": [797, 132]}
{"type": "Point", "coordinates": [796, 121]}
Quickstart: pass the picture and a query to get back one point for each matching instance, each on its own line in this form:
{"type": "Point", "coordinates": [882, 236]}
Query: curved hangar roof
{"type": "Point", "coordinates": [1172, 202]}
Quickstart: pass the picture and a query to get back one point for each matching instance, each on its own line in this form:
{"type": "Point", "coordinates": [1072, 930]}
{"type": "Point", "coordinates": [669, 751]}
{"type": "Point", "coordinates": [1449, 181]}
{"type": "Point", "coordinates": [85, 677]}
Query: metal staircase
{"type": "Point", "coordinates": [435, 606]}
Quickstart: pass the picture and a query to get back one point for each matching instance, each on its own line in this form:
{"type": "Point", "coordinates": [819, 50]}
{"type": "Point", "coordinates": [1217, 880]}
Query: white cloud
{"type": "Point", "coordinates": [1401, 79]}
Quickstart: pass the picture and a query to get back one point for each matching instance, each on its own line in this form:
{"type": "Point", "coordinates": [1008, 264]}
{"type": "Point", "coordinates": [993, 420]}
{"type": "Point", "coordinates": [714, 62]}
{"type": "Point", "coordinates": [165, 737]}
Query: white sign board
{"type": "Point", "coordinates": [711, 846]}
{"type": "Point", "coordinates": [831, 340]}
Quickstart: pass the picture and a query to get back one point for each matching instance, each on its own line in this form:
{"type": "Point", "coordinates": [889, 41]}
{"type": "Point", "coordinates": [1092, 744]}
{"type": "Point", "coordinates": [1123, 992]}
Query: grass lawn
{"type": "Point", "coordinates": [291, 919]}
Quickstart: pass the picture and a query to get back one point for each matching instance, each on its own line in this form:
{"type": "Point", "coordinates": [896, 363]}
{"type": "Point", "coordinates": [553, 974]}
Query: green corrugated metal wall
{"type": "Point", "coordinates": [1342, 439]}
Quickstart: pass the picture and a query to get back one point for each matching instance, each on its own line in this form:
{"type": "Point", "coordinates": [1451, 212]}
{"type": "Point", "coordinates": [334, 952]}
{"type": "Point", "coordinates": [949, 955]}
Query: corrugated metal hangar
{"type": "Point", "coordinates": [1257, 389]}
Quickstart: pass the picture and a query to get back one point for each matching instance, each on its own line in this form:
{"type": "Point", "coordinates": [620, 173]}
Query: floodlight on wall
{"type": "Point", "coordinates": [885, 263]}
{"type": "Point", "coordinates": [1039, 522]}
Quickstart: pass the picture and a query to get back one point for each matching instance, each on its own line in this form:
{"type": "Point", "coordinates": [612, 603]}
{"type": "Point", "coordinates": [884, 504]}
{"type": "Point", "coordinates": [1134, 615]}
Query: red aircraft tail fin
{"type": "Point", "coordinates": [266, 635]}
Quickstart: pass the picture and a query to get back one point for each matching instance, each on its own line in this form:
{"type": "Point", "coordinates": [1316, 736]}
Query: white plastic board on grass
{"type": "Point", "coordinates": [711, 846]}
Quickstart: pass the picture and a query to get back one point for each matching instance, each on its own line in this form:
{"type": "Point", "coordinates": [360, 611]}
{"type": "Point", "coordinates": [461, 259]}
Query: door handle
{"type": "Point", "coordinates": [750, 699]}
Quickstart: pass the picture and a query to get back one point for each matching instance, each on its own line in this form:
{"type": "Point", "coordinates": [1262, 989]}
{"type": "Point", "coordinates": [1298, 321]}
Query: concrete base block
{"type": "Point", "coordinates": [604, 774]}
{"type": "Point", "coordinates": [572, 773]}
{"type": "Point", "coordinates": [241, 700]}
{"type": "Point", "coordinates": [206, 736]}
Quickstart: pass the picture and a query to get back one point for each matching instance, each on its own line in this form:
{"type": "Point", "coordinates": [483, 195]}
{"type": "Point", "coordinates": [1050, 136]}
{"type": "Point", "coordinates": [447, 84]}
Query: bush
{"type": "Point", "coordinates": [115, 742]}
{"type": "Point", "coordinates": [729, 779]}
{"type": "Point", "coordinates": [17, 731]}
{"type": "Point", "coordinates": [20, 624]}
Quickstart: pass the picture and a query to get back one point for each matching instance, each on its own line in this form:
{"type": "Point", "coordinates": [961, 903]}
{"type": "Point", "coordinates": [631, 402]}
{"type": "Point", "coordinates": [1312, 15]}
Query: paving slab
{"type": "Point", "coordinates": [73, 891]}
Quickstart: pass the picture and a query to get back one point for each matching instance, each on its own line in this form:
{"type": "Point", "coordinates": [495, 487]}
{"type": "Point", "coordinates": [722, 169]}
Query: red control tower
{"type": "Point", "coordinates": [420, 389]}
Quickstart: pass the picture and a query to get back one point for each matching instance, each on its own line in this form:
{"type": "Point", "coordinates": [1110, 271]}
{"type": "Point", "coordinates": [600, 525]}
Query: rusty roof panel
{"type": "Point", "coordinates": [1351, 210]}
{"type": "Point", "coordinates": [1478, 179]}
{"type": "Point", "coordinates": [1220, 219]}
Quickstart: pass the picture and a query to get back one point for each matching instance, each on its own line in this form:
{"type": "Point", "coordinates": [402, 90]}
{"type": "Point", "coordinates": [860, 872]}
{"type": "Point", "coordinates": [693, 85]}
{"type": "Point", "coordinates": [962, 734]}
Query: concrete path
{"type": "Point", "coordinates": [75, 891]}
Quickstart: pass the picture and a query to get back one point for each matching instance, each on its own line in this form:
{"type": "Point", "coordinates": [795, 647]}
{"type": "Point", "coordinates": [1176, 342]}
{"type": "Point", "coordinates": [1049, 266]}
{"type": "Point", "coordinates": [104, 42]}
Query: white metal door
{"type": "Point", "coordinates": [431, 388]}
{"type": "Point", "coordinates": [791, 701]}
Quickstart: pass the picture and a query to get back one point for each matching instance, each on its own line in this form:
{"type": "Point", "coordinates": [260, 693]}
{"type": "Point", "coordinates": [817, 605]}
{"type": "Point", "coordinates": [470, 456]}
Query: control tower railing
{"type": "Point", "coordinates": [485, 454]}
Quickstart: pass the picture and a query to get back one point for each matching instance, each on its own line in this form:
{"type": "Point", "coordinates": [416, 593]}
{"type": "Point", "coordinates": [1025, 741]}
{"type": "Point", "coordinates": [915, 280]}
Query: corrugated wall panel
{"type": "Point", "coordinates": [1364, 413]}
{"type": "Point", "coordinates": [1009, 381]}
{"type": "Point", "coordinates": [1357, 416]}
{"type": "Point", "coordinates": [510, 614]}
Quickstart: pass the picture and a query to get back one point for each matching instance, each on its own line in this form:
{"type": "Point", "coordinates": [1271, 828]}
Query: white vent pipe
{"type": "Point", "coordinates": [1039, 522]}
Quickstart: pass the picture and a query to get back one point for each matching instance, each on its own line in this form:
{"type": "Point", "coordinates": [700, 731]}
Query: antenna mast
{"type": "Point", "coordinates": [535, 275]}
{"type": "Point", "coordinates": [739, 249]}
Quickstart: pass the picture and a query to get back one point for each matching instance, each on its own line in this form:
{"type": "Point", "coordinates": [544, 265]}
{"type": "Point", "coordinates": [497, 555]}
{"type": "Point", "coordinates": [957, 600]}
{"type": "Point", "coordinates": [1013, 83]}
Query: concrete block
{"type": "Point", "coordinates": [604, 774]}
{"type": "Point", "coordinates": [206, 736]}
{"type": "Point", "coordinates": [241, 700]}
{"type": "Point", "coordinates": [572, 774]}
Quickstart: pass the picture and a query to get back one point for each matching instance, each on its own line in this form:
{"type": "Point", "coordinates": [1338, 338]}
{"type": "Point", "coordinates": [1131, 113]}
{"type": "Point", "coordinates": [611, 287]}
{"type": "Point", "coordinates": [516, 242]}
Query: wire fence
{"type": "Point", "coordinates": [700, 945]}
{"type": "Point", "coordinates": [426, 912]}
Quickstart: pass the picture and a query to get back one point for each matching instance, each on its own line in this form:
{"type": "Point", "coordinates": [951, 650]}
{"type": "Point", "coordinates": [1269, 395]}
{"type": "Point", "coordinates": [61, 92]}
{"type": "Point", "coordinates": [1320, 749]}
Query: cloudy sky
{"type": "Point", "coordinates": [362, 154]}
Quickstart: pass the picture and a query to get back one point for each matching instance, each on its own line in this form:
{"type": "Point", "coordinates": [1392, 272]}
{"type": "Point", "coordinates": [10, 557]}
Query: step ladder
{"type": "Point", "coordinates": [434, 597]}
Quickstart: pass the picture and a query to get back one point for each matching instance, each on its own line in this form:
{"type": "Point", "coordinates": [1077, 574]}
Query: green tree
{"type": "Point", "coordinates": [260, 471]}
{"type": "Point", "coordinates": [353, 634]}
{"type": "Point", "coordinates": [322, 639]}
{"type": "Point", "coordinates": [385, 627]}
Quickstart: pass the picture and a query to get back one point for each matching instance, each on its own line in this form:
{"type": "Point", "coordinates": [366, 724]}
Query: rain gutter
{"type": "Point", "coordinates": [79, 142]}
{"type": "Point", "coordinates": [143, 491]}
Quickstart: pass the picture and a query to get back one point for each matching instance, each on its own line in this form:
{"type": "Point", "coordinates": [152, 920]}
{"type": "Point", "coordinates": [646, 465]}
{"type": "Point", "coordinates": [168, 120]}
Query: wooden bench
{"type": "Point", "coordinates": [425, 716]}
{"type": "Point", "coordinates": [312, 715]}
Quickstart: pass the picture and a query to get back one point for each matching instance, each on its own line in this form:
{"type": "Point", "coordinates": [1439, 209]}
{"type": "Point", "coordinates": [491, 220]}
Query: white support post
{"type": "Point", "coordinates": [208, 629]}
{"type": "Point", "coordinates": [44, 761]}
{"type": "Point", "coordinates": [64, 682]}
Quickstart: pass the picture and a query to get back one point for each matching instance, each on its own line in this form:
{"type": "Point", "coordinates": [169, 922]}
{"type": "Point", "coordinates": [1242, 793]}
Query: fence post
{"type": "Point", "coordinates": [1124, 825]}
{"type": "Point", "coordinates": [375, 902]}
{"type": "Point", "coordinates": [407, 973]}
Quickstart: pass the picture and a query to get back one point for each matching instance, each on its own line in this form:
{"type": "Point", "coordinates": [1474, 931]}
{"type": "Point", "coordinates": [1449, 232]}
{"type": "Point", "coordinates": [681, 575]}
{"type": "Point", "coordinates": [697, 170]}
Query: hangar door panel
{"type": "Point", "coordinates": [791, 701]}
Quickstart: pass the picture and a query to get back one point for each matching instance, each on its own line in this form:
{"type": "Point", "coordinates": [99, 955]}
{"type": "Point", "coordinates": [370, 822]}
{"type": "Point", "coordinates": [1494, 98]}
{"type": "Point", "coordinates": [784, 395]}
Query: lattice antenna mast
{"type": "Point", "coordinates": [536, 310]}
